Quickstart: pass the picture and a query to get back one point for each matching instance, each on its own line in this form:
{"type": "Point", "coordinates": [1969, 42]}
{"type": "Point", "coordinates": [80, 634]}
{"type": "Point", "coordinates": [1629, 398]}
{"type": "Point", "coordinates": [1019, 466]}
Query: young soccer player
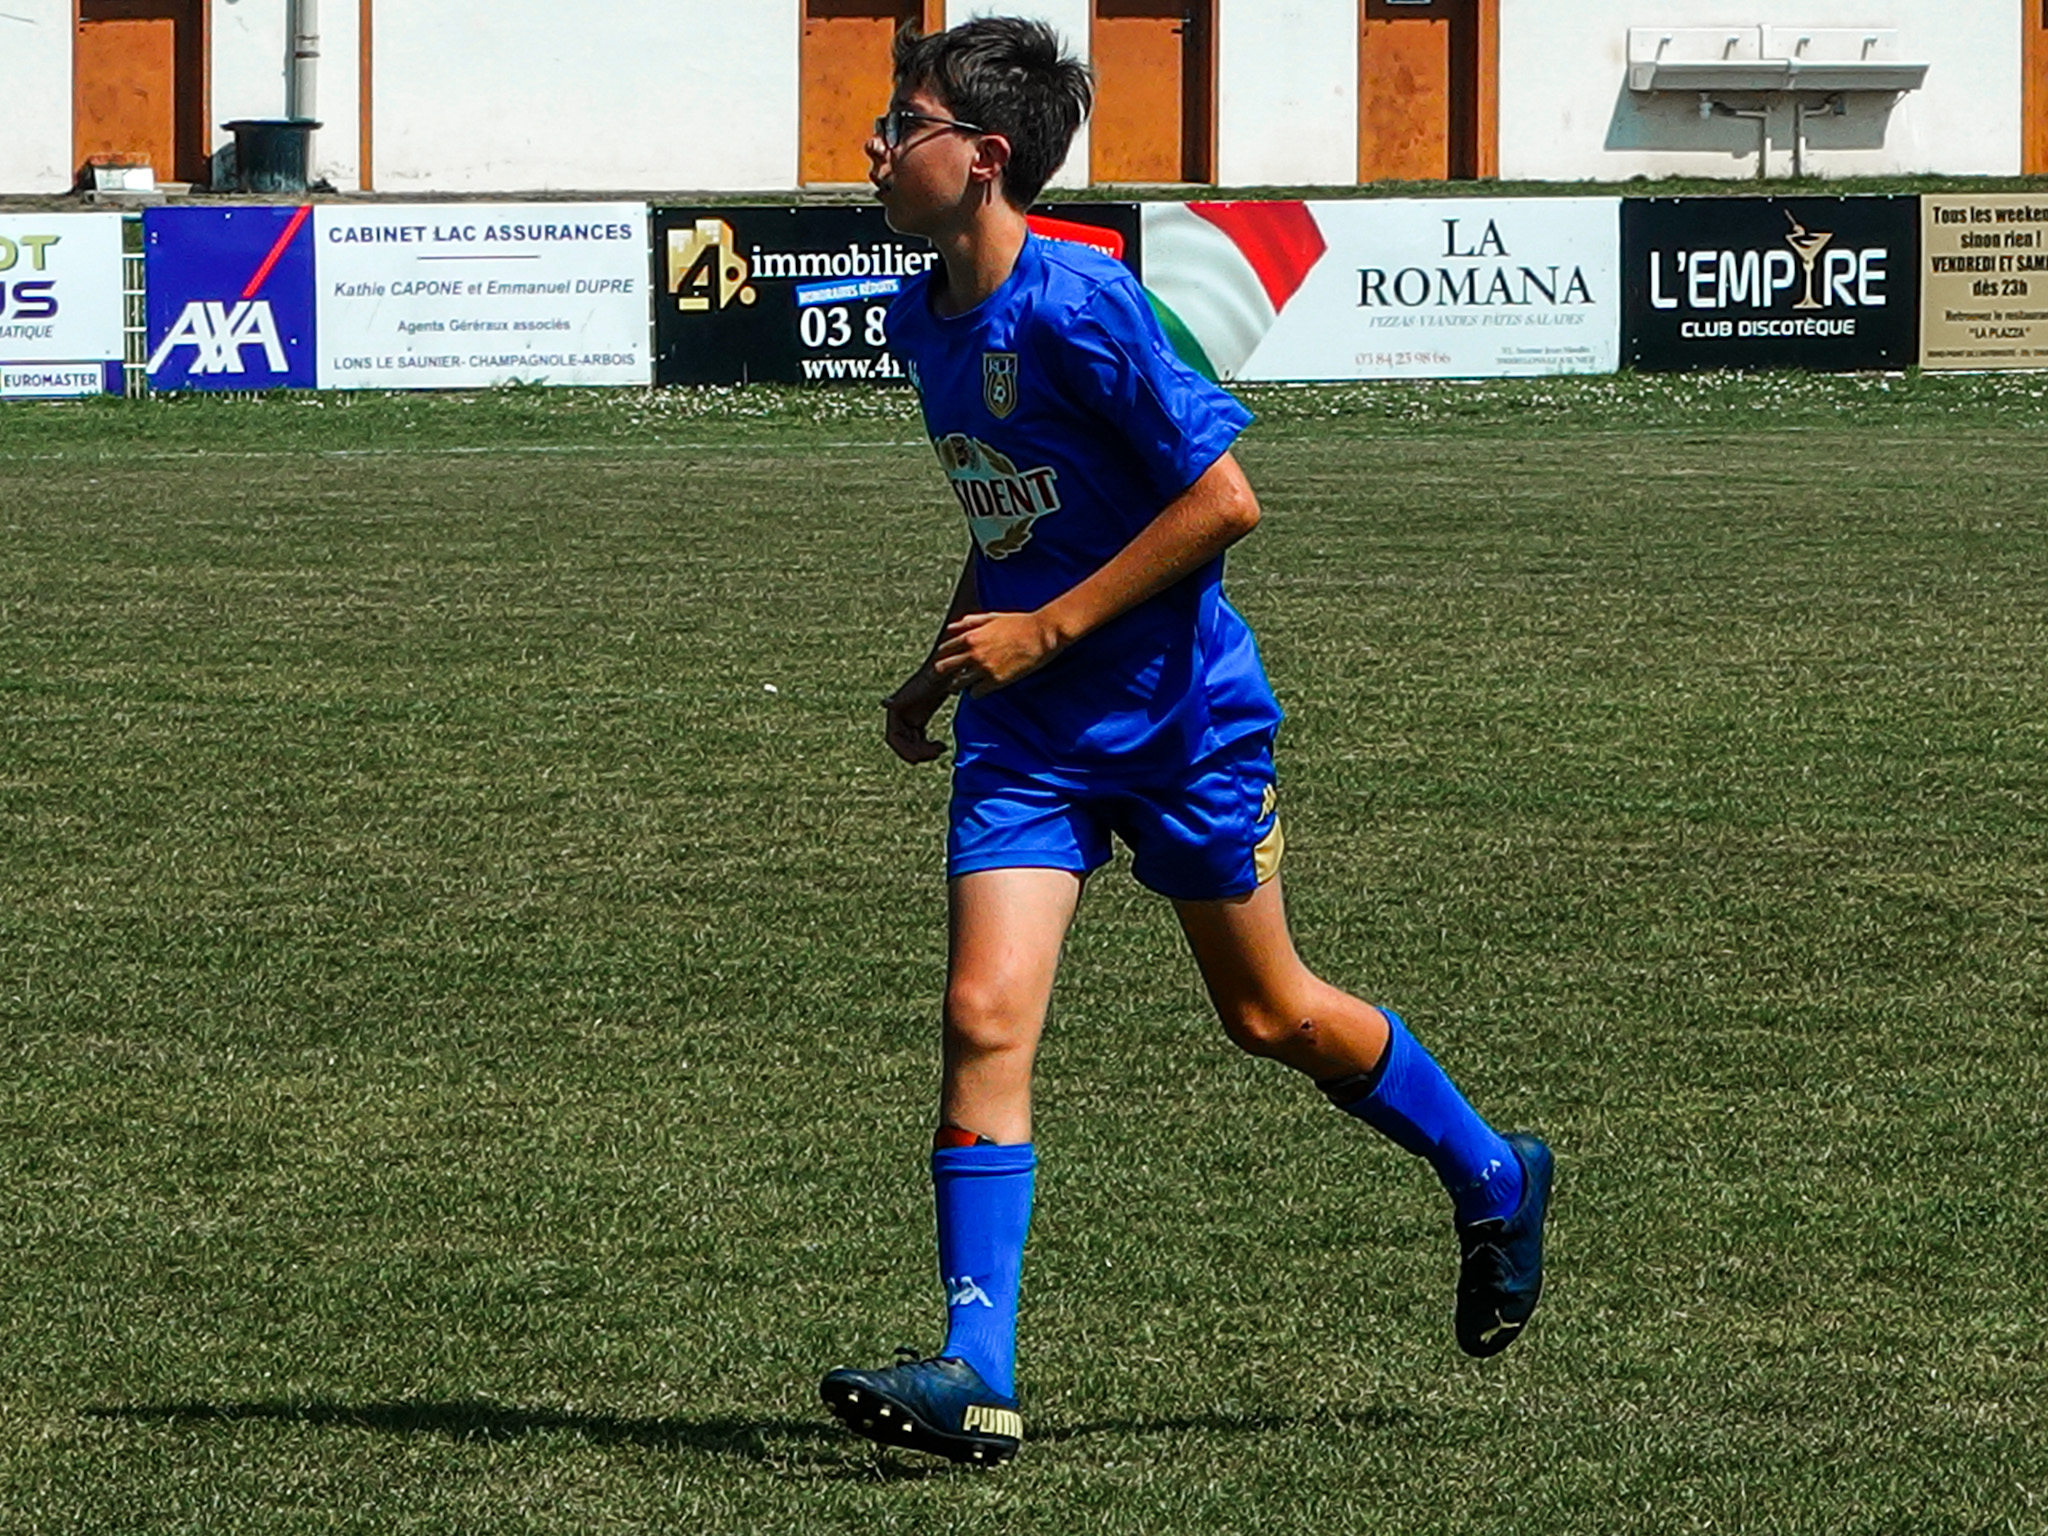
{"type": "Point", "coordinates": [1106, 689]}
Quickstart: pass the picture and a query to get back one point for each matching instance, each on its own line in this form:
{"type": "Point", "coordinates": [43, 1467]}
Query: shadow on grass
{"type": "Point", "coordinates": [771, 1441]}
{"type": "Point", "coordinates": [476, 1419]}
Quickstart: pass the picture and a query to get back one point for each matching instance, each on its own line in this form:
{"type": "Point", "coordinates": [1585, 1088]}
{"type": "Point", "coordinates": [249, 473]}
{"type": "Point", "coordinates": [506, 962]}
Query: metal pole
{"type": "Point", "coordinates": [302, 83]}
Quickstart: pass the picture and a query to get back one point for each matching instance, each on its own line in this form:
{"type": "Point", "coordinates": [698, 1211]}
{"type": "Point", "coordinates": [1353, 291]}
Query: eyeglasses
{"type": "Point", "coordinates": [890, 127]}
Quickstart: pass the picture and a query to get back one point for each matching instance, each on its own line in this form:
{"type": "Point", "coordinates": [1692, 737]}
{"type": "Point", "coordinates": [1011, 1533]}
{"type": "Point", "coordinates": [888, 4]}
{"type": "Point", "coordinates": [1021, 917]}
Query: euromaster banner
{"type": "Point", "coordinates": [470, 295]}
{"type": "Point", "coordinates": [60, 304]}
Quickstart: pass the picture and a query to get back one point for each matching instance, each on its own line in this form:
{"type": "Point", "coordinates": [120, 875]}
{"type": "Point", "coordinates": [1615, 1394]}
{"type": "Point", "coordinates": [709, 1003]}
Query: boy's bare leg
{"type": "Point", "coordinates": [1272, 1004]}
{"type": "Point", "coordinates": [1005, 932]}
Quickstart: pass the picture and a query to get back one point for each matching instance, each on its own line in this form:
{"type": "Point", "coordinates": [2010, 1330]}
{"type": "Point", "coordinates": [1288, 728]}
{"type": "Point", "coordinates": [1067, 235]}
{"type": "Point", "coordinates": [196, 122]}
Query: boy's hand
{"type": "Point", "coordinates": [982, 652]}
{"type": "Point", "coordinates": [909, 711]}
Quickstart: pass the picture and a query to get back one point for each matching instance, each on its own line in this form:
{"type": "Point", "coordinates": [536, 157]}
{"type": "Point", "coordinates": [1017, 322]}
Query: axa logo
{"type": "Point", "coordinates": [217, 332]}
{"type": "Point", "coordinates": [705, 273]}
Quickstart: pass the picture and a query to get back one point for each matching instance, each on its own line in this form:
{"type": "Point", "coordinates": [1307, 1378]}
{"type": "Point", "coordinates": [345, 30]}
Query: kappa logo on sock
{"type": "Point", "coordinates": [963, 1292]}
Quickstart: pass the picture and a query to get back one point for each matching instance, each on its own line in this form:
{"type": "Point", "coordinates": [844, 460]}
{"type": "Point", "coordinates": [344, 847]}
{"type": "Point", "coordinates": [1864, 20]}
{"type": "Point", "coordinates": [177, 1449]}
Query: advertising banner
{"type": "Point", "coordinates": [60, 304]}
{"type": "Point", "coordinates": [797, 295]}
{"type": "Point", "coordinates": [230, 298]}
{"type": "Point", "coordinates": [471, 295]}
{"type": "Point", "coordinates": [1394, 288]}
{"type": "Point", "coordinates": [1984, 281]}
{"type": "Point", "coordinates": [1825, 283]}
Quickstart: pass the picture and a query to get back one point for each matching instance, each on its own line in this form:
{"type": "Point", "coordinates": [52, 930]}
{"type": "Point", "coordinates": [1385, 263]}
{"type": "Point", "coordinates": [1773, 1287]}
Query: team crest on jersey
{"type": "Point", "coordinates": [999, 383]}
{"type": "Point", "coordinates": [1001, 501]}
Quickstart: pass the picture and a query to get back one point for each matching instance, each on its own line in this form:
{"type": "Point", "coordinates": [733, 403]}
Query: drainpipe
{"type": "Point", "coordinates": [301, 84]}
{"type": "Point", "coordinates": [1709, 107]}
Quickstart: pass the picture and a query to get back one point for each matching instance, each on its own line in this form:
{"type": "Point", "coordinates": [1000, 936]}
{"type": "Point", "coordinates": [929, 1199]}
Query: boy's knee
{"type": "Point", "coordinates": [1263, 1029]}
{"type": "Point", "coordinates": [980, 1020]}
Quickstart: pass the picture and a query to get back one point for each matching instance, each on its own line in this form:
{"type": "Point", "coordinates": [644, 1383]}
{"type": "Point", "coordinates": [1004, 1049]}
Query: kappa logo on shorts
{"type": "Point", "coordinates": [1271, 848]}
{"type": "Point", "coordinates": [999, 383]}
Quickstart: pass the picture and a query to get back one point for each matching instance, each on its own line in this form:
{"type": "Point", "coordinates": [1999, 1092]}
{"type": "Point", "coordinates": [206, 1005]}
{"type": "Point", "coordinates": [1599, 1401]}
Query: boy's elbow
{"type": "Point", "coordinates": [1241, 512]}
{"type": "Point", "coordinates": [1236, 505]}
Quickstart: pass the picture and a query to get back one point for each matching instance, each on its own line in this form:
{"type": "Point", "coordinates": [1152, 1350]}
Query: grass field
{"type": "Point", "coordinates": [468, 973]}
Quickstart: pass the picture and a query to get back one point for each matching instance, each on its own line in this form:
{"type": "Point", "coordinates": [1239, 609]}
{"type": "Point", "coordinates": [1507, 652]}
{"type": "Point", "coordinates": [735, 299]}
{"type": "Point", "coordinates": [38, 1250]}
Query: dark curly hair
{"type": "Point", "coordinates": [1012, 77]}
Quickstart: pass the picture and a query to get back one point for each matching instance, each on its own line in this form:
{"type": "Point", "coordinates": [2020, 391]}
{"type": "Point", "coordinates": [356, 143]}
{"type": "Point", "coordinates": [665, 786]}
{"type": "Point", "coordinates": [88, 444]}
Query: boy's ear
{"type": "Point", "coordinates": [991, 158]}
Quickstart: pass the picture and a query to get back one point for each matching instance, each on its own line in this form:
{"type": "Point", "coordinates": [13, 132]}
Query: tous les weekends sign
{"type": "Point", "coordinates": [1984, 281]}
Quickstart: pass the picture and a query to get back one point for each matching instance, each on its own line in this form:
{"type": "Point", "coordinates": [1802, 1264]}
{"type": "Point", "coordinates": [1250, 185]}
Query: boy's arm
{"type": "Point", "coordinates": [911, 707]}
{"type": "Point", "coordinates": [979, 652]}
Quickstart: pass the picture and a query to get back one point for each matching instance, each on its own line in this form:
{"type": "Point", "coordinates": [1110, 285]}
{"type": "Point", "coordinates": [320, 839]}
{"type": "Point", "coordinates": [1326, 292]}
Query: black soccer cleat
{"type": "Point", "coordinates": [939, 1405]}
{"type": "Point", "coordinates": [1500, 1270]}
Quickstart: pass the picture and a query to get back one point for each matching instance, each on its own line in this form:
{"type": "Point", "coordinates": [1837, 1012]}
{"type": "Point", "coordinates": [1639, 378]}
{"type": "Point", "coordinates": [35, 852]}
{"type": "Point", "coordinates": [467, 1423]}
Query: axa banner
{"type": "Point", "coordinates": [230, 297]}
{"type": "Point", "coordinates": [798, 295]}
{"type": "Point", "coordinates": [1395, 288]}
{"type": "Point", "coordinates": [1826, 283]}
{"type": "Point", "coordinates": [471, 295]}
{"type": "Point", "coordinates": [60, 304]}
{"type": "Point", "coordinates": [1984, 281]}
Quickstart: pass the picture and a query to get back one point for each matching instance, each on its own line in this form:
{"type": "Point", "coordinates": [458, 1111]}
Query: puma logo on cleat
{"type": "Point", "coordinates": [963, 1292]}
{"type": "Point", "coordinates": [993, 1421]}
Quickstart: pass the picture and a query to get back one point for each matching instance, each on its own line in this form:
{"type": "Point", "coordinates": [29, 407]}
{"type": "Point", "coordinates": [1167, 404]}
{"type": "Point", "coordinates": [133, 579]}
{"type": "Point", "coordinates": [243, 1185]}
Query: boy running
{"type": "Point", "coordinates": [1106, 689]}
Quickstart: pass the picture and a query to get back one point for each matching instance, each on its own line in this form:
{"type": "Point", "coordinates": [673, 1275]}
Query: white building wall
{"type": "Point", "coordinates": [666, 96]}
{"type": "Point", "coordinates": [35, 96]}
{"type": "Point", "coordinates": [250, 68]}
{"type": "Point", "coordinates": [1567, 114]}
{"type": "Point", "coordinates": [1287, 93]}
{"type": "Point", "coordinates": [603, 95]}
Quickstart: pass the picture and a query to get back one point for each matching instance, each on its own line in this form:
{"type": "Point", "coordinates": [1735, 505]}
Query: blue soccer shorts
{"type": "Point", "coordinates": [1213, 834]}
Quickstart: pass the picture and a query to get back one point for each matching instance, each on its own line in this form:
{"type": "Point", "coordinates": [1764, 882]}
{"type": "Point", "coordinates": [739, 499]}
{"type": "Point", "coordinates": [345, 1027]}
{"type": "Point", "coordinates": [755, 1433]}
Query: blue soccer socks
{"type": "Point", "coordinates": [1410, 1101]}
{"type": "Point", "coordinates": [983, 1197]}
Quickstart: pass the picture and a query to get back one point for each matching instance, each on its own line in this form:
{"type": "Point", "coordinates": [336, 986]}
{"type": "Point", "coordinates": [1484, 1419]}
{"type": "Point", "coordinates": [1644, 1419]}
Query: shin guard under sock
{"type": "Point", "coordinates": [1409, 1100]}
{"type": "Point", "coordinates": [983, 1198]}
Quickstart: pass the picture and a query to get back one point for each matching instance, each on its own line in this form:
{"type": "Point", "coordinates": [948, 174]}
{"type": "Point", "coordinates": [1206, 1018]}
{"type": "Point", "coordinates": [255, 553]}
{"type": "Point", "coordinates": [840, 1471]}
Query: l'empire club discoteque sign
{"type": "Point", "coordinates": [1822, 283]}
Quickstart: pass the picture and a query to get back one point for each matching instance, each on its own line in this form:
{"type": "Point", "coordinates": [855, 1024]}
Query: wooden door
{"type": "Point", "coordinates": [1428, 92]}
{"type": "Point", "coordinates": [2034, 89]}
{"type": "Point", "coordinates": [139, 84]}
{"type": "Point", "coordinates": [847, 75]}
{"type": "Point", "coordinates": [1155, 83]}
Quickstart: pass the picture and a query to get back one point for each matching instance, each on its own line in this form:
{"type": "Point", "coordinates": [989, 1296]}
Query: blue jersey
{"type": "Point", "coordinates": [1065, 423]}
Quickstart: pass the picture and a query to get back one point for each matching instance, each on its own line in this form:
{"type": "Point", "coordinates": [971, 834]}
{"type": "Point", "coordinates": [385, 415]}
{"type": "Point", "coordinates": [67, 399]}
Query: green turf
{"type": "Point", "coordinates": [468, 970]}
